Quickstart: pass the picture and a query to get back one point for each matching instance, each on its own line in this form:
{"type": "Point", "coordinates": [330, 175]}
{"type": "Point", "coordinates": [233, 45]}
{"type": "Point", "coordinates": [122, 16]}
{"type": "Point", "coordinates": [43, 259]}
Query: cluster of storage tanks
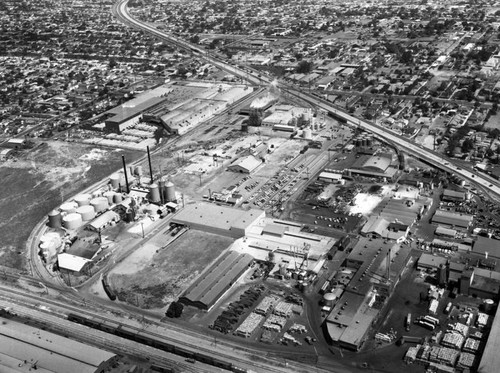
{"type": "Point", "coordinates": [85, 207]}
{"type": "Point", "coordinates": [364, 140]}
{"type": "Point", "coordinates": [162, 192]}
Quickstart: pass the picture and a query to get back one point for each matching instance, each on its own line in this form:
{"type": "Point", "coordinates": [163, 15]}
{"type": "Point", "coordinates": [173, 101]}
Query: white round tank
{"type": "Point", "coordinates": [99, 203]}
{"type": "Point", "coordinates": [109, 195]}
{"type": "Point", "coordinates": [55, 219]}
{"type": "Point", "coordinates": [170, 192]}
{"type": "Point", "coordinates": [87, 212]}
{"type": "Point", "coordinates": [69, 207]}
{"type": "Point", "coordinates": [115, 181]}
{"type": "Point", "coordinates": [307, 134]}
{"type": "Point", "coordinates": [72, 221]}
{"type": "Point", "coordinates": [83, 199]}
{"type": "Point", "coordinates": [138, 170]}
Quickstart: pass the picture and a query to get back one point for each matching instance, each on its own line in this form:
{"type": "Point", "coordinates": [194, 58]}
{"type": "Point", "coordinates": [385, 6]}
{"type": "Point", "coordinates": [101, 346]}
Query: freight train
{"type": "Point", "coordinates": [139, 336]}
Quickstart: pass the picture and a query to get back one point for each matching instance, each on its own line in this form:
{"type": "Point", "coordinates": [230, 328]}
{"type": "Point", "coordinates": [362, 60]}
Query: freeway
{"type": "Point", "coordinates": [426, 155]}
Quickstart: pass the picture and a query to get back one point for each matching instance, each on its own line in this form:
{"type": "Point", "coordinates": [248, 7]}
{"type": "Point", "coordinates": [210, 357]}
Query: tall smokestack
{"type": "Point", "coordinates": [125, 172]}
{"type": "Point", "coordinates": [150, 167]}
{"type": "Point", "coordinates": [389, 264]}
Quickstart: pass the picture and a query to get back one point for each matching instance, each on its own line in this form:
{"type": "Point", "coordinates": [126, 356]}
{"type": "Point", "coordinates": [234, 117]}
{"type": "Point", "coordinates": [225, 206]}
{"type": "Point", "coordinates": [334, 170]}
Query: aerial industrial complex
{"type": "Point", "coordinates": [250, 187]}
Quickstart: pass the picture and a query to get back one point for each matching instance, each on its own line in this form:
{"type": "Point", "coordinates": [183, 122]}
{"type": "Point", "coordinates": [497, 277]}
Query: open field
{"type": "Point", "coordinates": [156, 275]}
{"type": "Point", "coordinates": [38, 180]}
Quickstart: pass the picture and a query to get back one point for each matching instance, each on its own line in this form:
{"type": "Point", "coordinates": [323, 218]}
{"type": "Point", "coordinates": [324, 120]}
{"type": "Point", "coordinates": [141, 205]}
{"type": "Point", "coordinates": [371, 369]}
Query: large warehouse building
{"type": "Point", "coordinates": [216, 280]}
{"type": "Point", "coordinates": [216, 219]}
{"type": "Point", "coordinates": [24, 348]}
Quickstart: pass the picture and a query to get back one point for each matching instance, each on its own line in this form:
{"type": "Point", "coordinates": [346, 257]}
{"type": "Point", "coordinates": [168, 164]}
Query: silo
{"type": "Point", "coordinates": [369, 141]}
{"type": "Point", "coordinates": [69, 207]}
{"type": "Point", "coordinates": [115, 181]}
{"type": "Point", "coordinates": [170, 192]}
{"type": "Point", "coordinates": [55, 219]}
{"type": "Point", "coordinates": [163, 190]}
{"type": "Point", "coordinates": [72, 221]}
{"type": "Point", "coordinates": [358, 142]}
{"type": "Point", "coordinates": [154, 193]}
{"type": "Point", "coordinates": [82, 199]}
{"type": "Point", "coordinates": [138, 171]}
{"type": "Point", "coordinates": [99, 203]}
{"type": "Point", "coordinates": [363, 141]}
{"type": "Point", "coordinates": [109, 195]}
{"type": "Point", "coordinates": [117, 198]}
{"type": "Point", "coordinates": [307, 133]}
{"type": "Point", "coordinates": [132, 170]}
{"type": "Point", "coordinates": [329, 298]}
{"type": "Point", "coordinates": [488, 305]}
{"type": "Point", "coordinates": [87, 212]}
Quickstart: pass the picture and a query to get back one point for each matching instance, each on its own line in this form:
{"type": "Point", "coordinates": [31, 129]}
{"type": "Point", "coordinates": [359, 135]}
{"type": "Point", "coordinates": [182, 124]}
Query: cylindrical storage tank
{"type": "Point", "coordinates": [69, 207]}
{"type": "Point", "coordinates": [72, 221]}
{"type": "Point", "coordinates": [163, 190]}
{"type": "Point", "coordinates": [87, 212]}
{"type": "Point", "coordinates": [109, 195]}
{"type": "Point", "coordinates": [329, 298]}
{"type": "Point", "coordinates": [358, 143]}
{"type": "Point", "coordinates": [363, 141]}
{"type": "Point", "coordinates": [132, 170]}
{"type": "Point", "coordinates": [115, 181]}
{"type": "Point", "coordinates": [117, 198]}
{"type": "Point", "coordinates": [138, 170]}
{"type": "Point", "coordinates": [307, 134]}
{"type": "Point", "coordinates": [82, 199]}
{"type": "Point", "coordinates": [154, 193]}
{"type": "Point", "coordinates": [99, 203]}
{"type": "Point", "coordinates": [488, 305]}
{"type": "Point", "coordinates": [170, 192]}
{"type": "Point", "coordinates": [55, 219]}
{"type": "Point", "coordinates": [369, 141]}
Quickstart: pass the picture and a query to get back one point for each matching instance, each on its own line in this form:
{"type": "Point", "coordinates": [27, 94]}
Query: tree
{"type": "Point", "coordinates": [175, 310]}
{"type": "Point", "coordinates": [467, 145]}
{"type": "Point", "coordinates": [254, 119]}
{"type": "Point", "coordinates": [304, 67]}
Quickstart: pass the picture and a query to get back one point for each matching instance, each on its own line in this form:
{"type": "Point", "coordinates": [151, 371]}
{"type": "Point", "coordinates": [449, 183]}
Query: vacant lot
{"type": "Point", "coordinates": [155, 274]}
{"type": "Point", "coordinates": [38, 180]}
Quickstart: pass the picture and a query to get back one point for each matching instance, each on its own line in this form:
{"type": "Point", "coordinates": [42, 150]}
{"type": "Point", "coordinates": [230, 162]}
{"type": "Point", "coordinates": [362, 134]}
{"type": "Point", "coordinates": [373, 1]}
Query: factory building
{"type": "Point", "coordinates": [123, 116]}
{"type": "Point", "coordinates": [490, 360]}
{"type": "Point", "coordinates": [452, 219]}
{"type": "Point", "coordinates": [216, 280]}
{"type": "Point", "coordinates": [69, 263]}
{"type": "Point", "coordinates": [24, 348]}
{"type": "Point", "coordinates": [216, 219]}
{"type": "Point", "coordinates": [377, 267]}
{"type": "Point", "coordinates": [392, 218]}
{"type": "Point", "coordinates": [487, 247]}
{"type": "Point", "coordinates": [245, 165]}
{"type": "Point", "coordinates": [378, 165]}
{"type": "Point", "coordinates": [453, 196]}
{"type": "Point", "coordinates": [430, 262]}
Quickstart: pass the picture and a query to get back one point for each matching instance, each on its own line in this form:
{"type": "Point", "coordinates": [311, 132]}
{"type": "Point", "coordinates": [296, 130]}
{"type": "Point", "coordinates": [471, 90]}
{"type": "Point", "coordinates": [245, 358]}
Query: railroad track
{"type": "Point", "coordinates": [224, 351]}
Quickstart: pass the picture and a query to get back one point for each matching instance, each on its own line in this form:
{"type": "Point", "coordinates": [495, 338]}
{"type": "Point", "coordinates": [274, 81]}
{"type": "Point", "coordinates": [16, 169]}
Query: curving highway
{"type": "Point", "coordinates": [121, 12]}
